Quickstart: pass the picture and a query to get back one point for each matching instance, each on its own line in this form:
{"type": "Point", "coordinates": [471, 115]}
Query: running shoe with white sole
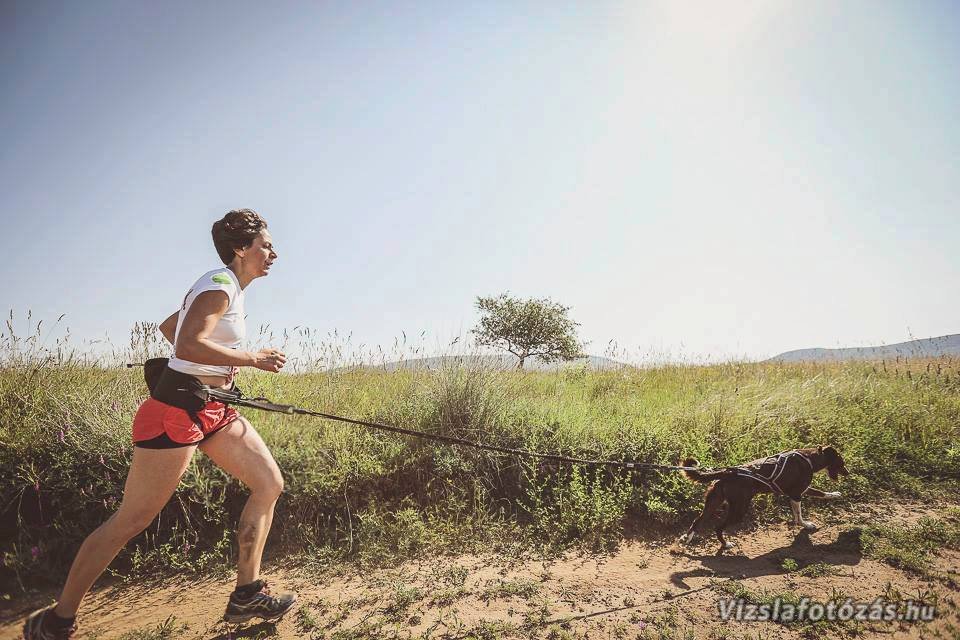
{"type": "Point", "coordinates": [260, 605]}
{"type": "Point", "coordinates": [39, 626]}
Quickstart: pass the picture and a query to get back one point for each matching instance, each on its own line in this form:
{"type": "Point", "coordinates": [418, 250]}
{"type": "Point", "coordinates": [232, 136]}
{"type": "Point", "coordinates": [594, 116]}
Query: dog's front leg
{"type": "Point", "coordinates": [817, 493]}
{"type": "Point", "coordinates": [798, 516]}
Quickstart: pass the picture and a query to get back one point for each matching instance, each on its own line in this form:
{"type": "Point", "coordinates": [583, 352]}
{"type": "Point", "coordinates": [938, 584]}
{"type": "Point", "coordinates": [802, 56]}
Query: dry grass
{"type": "Point", "coordinates": [373, 497]}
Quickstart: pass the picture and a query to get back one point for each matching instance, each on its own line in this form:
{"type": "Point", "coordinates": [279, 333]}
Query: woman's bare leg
{"type": "Point", "coordinates": [240, 451]}
{"type": "Point", "coordinates": [153, 477]}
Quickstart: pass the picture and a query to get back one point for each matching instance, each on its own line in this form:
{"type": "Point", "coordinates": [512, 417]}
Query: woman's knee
{"type": "Point", "coordinates": [126, 525]}
{"type": "Point", "coordinates": [268, 485]}
{"type": "Point", "coordinates": [276, 485]}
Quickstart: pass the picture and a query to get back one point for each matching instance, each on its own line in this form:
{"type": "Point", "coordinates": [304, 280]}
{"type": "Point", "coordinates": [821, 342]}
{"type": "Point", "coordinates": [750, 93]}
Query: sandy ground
{"type": "Point", "coordinates": [644, 589]}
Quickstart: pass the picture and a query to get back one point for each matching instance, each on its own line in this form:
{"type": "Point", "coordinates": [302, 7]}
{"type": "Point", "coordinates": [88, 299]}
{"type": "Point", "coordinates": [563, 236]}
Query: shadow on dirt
{"type": "Point", "coordinates": [261, 630]}
{"type": "Point", "coordinates": [845, 550]}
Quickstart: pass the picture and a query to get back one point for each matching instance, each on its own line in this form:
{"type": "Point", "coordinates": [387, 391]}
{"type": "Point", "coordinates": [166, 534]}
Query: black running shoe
{"type": "Point", "coordinates": [260, 605]}
{"type": "Point", "coordinates": [38, 627]}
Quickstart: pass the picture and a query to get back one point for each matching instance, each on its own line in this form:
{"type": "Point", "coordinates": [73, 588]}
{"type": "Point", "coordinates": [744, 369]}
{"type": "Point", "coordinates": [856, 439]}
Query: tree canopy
{"type": "Point", "coordinates": [528, 327]}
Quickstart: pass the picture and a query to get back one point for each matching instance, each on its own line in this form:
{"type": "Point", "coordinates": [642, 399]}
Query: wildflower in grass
{"type": "Point", "coordinates": [101, 460]}
{"type": "Point", "coordinates": [35, 552]}
{"type": "Point", "coordinates": [60, 437]}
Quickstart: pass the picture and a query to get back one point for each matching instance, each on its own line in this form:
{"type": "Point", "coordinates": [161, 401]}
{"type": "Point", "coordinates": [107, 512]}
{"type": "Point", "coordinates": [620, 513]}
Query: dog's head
{"type": "Point", "coordinates": [833, 462]}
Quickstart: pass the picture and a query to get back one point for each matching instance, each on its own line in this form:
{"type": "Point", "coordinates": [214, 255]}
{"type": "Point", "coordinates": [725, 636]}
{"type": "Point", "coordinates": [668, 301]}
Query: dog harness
{"type": "Point", "coordinates": [776, 464]}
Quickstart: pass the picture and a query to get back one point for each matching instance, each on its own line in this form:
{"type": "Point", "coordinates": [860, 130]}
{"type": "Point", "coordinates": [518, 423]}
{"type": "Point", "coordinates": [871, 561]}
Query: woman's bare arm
{"type": "Point", "coordinates": [193, 345]}
{"type": "Point", "coordinates": [169, 327]}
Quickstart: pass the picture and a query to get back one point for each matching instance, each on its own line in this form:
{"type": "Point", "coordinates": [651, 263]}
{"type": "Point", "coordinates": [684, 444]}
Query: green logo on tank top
{"type": "Point", "coordinates": [222, 278]}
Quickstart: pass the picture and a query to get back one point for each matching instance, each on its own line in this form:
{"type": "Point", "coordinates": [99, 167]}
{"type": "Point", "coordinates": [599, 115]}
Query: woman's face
{"type": "Point", "coordinates": [258, 257]}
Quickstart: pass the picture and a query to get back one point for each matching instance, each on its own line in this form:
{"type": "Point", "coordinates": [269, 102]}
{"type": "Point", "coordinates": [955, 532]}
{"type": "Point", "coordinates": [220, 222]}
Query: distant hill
{"type": "Point", "coordinates": [505, 361]}
{"type": "Point", "coordinates": [925, 348]}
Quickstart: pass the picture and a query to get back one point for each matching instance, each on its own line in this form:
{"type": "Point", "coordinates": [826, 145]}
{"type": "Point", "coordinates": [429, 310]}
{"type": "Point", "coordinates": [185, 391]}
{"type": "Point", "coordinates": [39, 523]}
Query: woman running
{"type": "Point", "coordinates": [207, 333]}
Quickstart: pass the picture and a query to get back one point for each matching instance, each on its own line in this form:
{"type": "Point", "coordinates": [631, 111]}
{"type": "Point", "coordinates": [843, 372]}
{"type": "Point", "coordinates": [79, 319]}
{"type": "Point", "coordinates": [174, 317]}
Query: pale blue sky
{"type": "Point", "coordinates": [720, 179]}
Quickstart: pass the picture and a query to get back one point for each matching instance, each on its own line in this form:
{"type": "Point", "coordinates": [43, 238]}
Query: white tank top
{"type": "Point", "coordinates": [230, 331]}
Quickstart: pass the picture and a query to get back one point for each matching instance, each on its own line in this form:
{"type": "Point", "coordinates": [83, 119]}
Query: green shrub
{"type": "Point", "coordinates": [909, 546]}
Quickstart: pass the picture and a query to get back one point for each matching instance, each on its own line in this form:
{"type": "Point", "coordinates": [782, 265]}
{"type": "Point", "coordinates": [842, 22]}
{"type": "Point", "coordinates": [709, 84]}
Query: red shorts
{"type": "Point", "coordinates": [155, 418]}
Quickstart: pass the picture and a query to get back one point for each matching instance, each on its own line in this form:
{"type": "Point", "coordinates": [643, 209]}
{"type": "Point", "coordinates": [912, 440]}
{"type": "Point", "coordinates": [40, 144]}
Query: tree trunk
{"type": "Point", "coordinates": [520, 364]}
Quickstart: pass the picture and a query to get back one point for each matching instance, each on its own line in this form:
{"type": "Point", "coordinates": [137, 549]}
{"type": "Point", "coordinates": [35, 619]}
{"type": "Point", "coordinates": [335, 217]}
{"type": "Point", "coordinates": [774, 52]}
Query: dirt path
{"type": "Point", "coordinates": [645, 589]}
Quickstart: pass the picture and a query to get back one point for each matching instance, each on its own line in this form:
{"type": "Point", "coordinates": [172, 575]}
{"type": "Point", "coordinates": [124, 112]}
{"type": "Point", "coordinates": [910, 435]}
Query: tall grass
{"type": "Point", "coordinates": [352, 492]}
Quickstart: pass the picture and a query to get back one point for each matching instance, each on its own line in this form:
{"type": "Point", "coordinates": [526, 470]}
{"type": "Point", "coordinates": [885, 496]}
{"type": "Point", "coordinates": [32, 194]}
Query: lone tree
{"type": "Point", "coordinates": [525, 328]}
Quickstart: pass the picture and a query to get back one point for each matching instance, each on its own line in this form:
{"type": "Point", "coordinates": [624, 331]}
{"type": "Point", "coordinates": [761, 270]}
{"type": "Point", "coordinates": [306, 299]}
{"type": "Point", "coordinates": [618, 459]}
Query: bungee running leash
{"type": "Point", "coordinates": [263, 404]}
{"type": "Point", "coordinates": [190, 394]}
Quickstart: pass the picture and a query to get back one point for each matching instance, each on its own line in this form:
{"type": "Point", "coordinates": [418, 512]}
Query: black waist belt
{"type": "Point", "coordinates": [173, 387]}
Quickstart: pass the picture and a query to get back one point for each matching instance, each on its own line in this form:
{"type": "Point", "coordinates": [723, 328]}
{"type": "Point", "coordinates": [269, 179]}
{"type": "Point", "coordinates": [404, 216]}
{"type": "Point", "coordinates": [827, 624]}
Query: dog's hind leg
{"type": "Point", "coordinates": [713, 502]}
{"type": "Point", "coordinates": [798, 516]}
{"type": "Point", "coordinates": [734, 515]}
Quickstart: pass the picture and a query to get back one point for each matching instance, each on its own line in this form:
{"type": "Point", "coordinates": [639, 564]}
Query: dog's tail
{"type": "Point", "coordinates": [700, 476]}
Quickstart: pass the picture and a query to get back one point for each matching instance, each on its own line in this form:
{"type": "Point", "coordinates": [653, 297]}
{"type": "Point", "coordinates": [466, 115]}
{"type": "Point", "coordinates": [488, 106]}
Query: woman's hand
{"type": "Point", "coordinates": [270, 360]}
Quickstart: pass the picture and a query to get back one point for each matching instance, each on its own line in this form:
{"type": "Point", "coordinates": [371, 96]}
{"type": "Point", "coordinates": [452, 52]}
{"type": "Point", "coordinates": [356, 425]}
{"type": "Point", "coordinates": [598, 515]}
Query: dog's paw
{"type": "Point", "coordinates": [726, 546]}
{"type": "Point", "coordinates": [808, 525]}
{"type": "Point", "coordinates": [831, 494]}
